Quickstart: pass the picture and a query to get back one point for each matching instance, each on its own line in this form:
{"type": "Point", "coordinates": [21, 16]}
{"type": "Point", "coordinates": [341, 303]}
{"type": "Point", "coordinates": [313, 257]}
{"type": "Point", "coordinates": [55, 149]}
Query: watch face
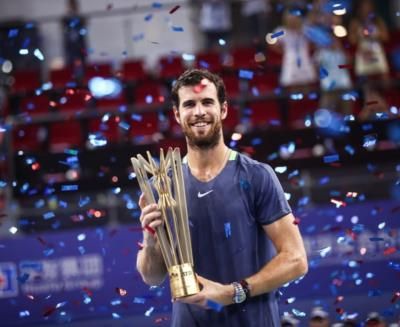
{"type": "Point", "coordinates": [240, 295]}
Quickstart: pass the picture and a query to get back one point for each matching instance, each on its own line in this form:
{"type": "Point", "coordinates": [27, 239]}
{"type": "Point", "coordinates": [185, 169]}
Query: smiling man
{"type": "Point", "coordinates": [245, 243]}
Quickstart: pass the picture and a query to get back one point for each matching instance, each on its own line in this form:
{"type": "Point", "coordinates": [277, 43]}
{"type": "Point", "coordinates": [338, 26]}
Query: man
{"type": "Point", "coordinates": [238, 217]}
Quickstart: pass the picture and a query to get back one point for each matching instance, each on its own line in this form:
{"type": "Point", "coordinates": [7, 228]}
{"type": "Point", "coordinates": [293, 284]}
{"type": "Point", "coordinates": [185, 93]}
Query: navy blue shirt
{"type": "Point", "coordinates": [226, 216]}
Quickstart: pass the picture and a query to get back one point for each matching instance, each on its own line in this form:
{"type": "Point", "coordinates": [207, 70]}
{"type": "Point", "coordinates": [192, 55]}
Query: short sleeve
{"type": "Point", "coordinates": [269, 198]}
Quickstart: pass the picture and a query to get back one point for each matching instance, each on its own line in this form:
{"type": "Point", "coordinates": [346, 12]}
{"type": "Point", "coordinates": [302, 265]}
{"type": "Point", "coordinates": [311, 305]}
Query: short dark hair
{"type": "Point", "coordinates": [192, 77]}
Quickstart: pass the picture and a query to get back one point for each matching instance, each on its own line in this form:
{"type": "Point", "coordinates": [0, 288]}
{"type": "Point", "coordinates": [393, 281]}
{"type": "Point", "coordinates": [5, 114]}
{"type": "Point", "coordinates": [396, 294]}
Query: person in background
{"type": "Point", "coordinates": [329, 57]}
{"type": "Point", "coordinates": [215, 22]}
{"type": "Point", "coordinates": [256, 19]}
{"type": "Point", "coordinates": [367, 32]}
{"type": "Point", "coordinates": [297, 71]}
{"type": "Point", "coordinates": [244, 239]}
{"type": "Point", "coordinates": [319, 318]}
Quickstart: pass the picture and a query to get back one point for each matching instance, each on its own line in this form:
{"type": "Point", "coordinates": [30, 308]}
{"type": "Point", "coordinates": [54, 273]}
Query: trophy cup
{"type": "Point", "coordinates": [167, 185]}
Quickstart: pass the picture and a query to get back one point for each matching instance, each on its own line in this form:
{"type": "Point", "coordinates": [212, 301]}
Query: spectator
{"type": "Point", "coordinates": [297, 72]}
{"type": "Point", "coordinates": [319, 318]}
{"type": "Point", "coordinates": [256, 19]}
{"type": "Point", "coordinates": [215, 21]}
{"type": "Point", "coordinates": [333, 79]}
{"type": "Point", "coordinates": [367, 31]}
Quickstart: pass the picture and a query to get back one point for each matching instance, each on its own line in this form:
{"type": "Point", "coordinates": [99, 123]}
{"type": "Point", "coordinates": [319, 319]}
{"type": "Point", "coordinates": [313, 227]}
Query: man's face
{"type": "Point", "coordinates": [200, 114]}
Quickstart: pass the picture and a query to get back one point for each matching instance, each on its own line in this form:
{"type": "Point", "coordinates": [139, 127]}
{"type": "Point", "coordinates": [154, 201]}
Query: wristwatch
{"type": "Point", "coordinates": [241, 291]}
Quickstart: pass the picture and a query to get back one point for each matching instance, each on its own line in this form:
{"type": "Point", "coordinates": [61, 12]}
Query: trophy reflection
{"type": "Point", "coordinates": [167, 189]}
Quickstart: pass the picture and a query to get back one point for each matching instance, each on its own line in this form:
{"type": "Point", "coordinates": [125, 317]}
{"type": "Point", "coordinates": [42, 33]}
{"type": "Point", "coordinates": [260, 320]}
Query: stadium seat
{"type": "Point", "coordinates": [170, 67]}
{"type": "Point", "coordinates": [263, 114]}
{"type": "Point", "coordinates": [133, 71]}
{"type": "Point", "coordinates": [25, 81]}
{"type": "Point", "coordinates": [209, 60]}
{"type": "Point", "coordinates": [64, 135]}
{"type": "Point", "coordinates": [28, 137]}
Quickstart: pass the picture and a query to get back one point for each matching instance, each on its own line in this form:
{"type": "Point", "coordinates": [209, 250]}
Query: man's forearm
{"type": "Point", "coordinates": [280, 270]}
{"type": "Point", "coordinates": [150, 265]}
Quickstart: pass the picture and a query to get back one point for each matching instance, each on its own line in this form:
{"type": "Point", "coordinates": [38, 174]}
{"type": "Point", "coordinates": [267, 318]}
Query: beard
{"type": "Point", "coordinates": [206, 141]}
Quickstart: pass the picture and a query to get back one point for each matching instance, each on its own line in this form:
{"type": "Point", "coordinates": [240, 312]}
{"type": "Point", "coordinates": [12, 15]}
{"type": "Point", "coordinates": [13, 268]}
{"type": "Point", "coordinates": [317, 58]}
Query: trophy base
{"type": "Point", "coordinates": [182, 280]}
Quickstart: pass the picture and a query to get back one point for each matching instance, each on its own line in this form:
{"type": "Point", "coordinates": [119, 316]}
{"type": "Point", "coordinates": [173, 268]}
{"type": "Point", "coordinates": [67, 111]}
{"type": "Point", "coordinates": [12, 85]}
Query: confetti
{"type": "Point", "coordinates": [344, 66]}
{"type": "Point", "coordinates": [277, 34]}
{"type": "Point", "coordinates": [227, 228]}
{"type": "Point", "coordinates": [395, 297]}
{"type": "Point", "coordinates": [24, 313]}
{"type": "Point", "coordinates": [177, 29]}
{"type": "Point", "coordinates": [246, 74]}
{"type": "Point", "coordinates": [214, 305]}
{"type": "Point", "coordinates": [331, 158]}
{"type": "Point", "coordinates": [148, 17]}
{"type": "Point", "coordinates": [390, 250]}
{"type": "Point", "coordinates": [150, 230]}
{"type": "Point", "coordinates": [174, 9]}
{"type": "Point", "coordinates": [121, 291]}
{"type": "Point", "coordinates": [149, 312]}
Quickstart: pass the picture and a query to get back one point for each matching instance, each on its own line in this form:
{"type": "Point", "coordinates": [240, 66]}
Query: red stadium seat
{"type": "Point", "coordinates": [244, 58]}
{"type": "Point", "coordinates": [28, 137]}
{"type": "Point", "coordinates": [144, 126]}
{"type": "Point", "coordinates": [210, 61]}
{"type": "Point", "coordinates": [133, 70]}
{"type": "Point", "coordinates": [98, 70]}
{"type": "Point", "coordinates": [263, 83]}
{"type": "Point", "coordinates": [299, 110]}
{"type": "Point", "coordinates": [232, 120]}
{"type": "Point", "coordinates": [34, 105]}
{"type": "Point", "coordinates": [264, 113]}
{"type": "Point", "coordinates": [62, 78]}
{"type": "Point", "coordinates": [170, 67]}
{"type": "Point", "coordinates": [149, 93]}
{"type": "Point", "coordinates": [74, 100]}
{"type": "Point", "coordinates": [232, 85]}
{"type": "Point", "coordinates": [64, 135]}
{"type": "Point", "coordinates": [25, 81]}
{"type": "Point", "coordinates": [109, 129]}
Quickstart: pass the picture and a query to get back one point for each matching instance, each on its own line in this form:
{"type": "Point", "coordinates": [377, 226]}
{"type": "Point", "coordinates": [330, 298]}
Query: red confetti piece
{"type": "Point", "coordinates": [338, 203]}
{"type": "Point", "coordinates": [121, 291]}
{"type": "Point", "coordinates": [140, 245]}
{"type": "Point", "coordinates": [150, 230]}
{"type": "Point", "coordinates": [347, 66]}
{"type": "Point", "coordinates": [340, 310]}
{"type": "Point", "coordinates": [87, 291]}
{"type": "Point", "coordinates": [390, 250]}
{"type": "Point", "coordinates": [296, 221]}
{"type": "Point", "coordinates": [174, 9]}
{"type": "Point", "coordinates": [369, 103]}
{"type": "Point", "coordinates": [49, 311]}
{"type": "Point", "coordinates": [395, 297]}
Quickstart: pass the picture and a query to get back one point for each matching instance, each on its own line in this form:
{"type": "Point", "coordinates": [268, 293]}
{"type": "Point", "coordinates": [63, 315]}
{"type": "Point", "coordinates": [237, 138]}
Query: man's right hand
{"type": "Point", "coordinates": [150, 218]}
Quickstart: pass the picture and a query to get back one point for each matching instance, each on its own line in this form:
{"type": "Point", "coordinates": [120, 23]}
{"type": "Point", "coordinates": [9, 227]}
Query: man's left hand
{"type": "Point", "coordinates": [210, 291]}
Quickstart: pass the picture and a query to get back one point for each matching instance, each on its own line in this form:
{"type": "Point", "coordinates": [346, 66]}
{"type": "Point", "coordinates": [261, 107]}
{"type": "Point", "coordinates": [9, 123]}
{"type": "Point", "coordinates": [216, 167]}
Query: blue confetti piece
{"type": "Point", "coordinates": [63, 204]}
{"type": "Point", "coordinates": [48, 215]}
{"type": "Point", "coordinates": [373, 293]}
{"type": "Point", "coordinates": [227, 228]}
{"type": "Point", "coordinates": [48, 252]}
{"type": "Point", "coordinates": [349, 149]}
{"type": "Point", "coordinates": [24, 313]}
{"type": "Point", "coordinates": [149, 312]}
{"type": "Point", "coordinates": [139, 300]}
{"type": "Point", "coordinates": [68, 188]}
{"type": "Point", "coordinates": [84, 201]}
{"type": "Point", "coordinates": [156, 5]}
{"type": "Point", "coordinates": [214, 305]}
{"type": "Point", "coordinates": [124, 125]}
{"type": "Point", "coordinates": [324, 180]}
{"type": "Point", "coordinates": [138, 37]}
{"type": "Point", "coordinates": [12, 33]}
{"type": "Point", "coordinates": [298, 313]}
{"type": "Point", "coordinates": [116, 315]}
{"type": "Point", "coordinates": [246, 74]}
{"type": "Point", "coordinates": [369, 140]}
{"type": "Point", "coordinates": [277, 34]}
{"type": "Point", "coordinates": [376, 239]}
{"type": "Point", "coordinates": [136, 117]}
{"type": "Point", "coordinates": [148, 17]}
{"type": "Point", "coordinates": [81, 250]}
{"type": "Point", "coordinates": [177, 29]}
{"type": "Point", "coordinates": [323, 73]}
{"type": "Point", "coordinates": [72, 152]}
{"type": "Point", "coordinates": [331, 158]}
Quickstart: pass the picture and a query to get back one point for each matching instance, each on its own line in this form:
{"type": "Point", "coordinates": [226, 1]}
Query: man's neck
{"type": "Point", "coordinates": [205, 164]}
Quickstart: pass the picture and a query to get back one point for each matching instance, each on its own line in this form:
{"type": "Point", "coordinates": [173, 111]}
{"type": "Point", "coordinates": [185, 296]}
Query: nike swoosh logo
{"type": "Point", "coordinates": [200, 195]}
